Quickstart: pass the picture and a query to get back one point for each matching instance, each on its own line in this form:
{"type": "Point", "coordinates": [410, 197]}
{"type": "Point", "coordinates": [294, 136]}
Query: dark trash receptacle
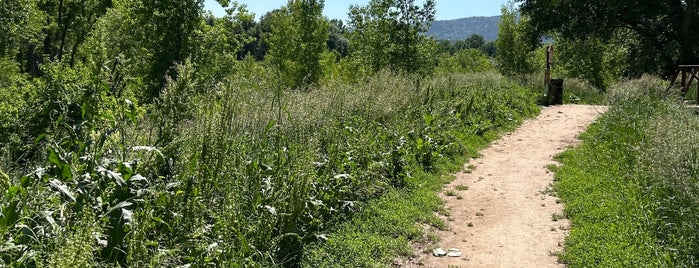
{"type": "Point", "coordinates": [555, 96]}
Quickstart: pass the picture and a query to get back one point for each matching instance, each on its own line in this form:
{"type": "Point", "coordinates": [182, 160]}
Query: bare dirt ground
{"type": "Point", "coordinates": [507, 217]}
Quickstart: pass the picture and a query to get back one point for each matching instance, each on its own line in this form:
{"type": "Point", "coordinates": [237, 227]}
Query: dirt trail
{"type": "Point", "coordinates": [505, 218]}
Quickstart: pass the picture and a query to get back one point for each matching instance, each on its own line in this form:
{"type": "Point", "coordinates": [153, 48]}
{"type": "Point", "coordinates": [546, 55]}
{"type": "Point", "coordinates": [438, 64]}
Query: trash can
{"type": "Point", "coordinates": [555, 94]}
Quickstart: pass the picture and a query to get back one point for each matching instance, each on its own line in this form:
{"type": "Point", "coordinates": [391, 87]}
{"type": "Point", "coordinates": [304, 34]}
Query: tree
{"type": "Point", "coordinates": [142, 41]}
{"type": "Point", "coordinates": [390, 33]}
{"type": "Point", "coordinates": [298, 38]}
{"type": "Point", "coordinates": [513, 49]}
{"type": "Point", "coordinates": [36, 31]}
{"type": "Point", "coordinates": [475, 41]}
{"type": "Point", "coordinates": [669, 27]}
{"type": "Point", "coordinates": [337, 42]}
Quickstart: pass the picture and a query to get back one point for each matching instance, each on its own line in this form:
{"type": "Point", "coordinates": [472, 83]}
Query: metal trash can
{"type": "Point", "coordinates": [555, 92]}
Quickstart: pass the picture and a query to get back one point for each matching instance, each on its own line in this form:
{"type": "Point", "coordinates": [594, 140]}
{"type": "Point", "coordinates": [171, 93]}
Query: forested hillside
{"type": "Point", "coordinates": [147, 133]}
{"type": "Point", "coordinates": [460, 29]}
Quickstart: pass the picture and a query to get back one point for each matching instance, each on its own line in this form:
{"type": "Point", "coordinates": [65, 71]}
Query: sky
{"type": "Point", "coordinates": [337, 9]}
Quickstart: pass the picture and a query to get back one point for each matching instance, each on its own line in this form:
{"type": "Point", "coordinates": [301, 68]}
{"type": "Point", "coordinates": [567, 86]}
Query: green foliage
{"type": "Point", "coordinates": [298, 37]}
{"type": "Point", "coordinates": [630, 188]}
{"type": "Point", "coordinates": [581, 92]}
{"type": "Point", "coordinates": [135, 133]}
{"type": "Point", "coordinates": [658, 34]}
{"type": "Point", "coordinates": [390, 34]}
{"type": "Point", "coordinates": [337, 40]}
{"type": "Point", "coordinates": [21, 23]}
{"type": "Point", "coordinates": [590, 59]}
{"type": "Point", "coordinates": [465, 61]}
{"type": "Point", "coordinates": [384, 229]}
{"type": "Point", "coordinates": [514, 51]}
{"type": "Point", "coordinates": [475, 41]}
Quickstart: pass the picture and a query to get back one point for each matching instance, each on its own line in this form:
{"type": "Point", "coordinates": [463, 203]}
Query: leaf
{"type": "Point", "coordinates": [127, 215]}
{"type": "Point", "coordinates": [271, 210]}
{"type": "Point", "coordinates": [271, 124]}
{"type": "Point", "coordinates": [342, 176]}
{"type": "Point", "coordinates": [420, 143]}
{"type": "Point", "coordinates": [148, 149]}
{"type": "Point", "coordinates": [61, 187]}
{"type": "Point", "coordinates": [53, 157]}
{"type": "Point", "coordinates": [138, 178]}
{"type": "Point", "coordinates": [121, 205]}
{"type": "Point", "coordinates": [113, 175]}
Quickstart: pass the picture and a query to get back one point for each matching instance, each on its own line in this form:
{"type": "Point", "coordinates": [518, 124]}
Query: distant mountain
{"type": "Point", "coordinates": [460, 29]}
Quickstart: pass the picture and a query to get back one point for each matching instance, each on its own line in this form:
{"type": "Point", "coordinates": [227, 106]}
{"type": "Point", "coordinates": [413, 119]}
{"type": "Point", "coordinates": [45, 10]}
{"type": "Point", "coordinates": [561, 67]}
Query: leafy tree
{"type": "Point", "coordinates": [594, 60]}
{"type": "Point", "coordinates": [35, 31]}
{"type": "Point", "coordinates": [298, 38]}
{"type": "Point", "coordinates": [222, 41]}
{"type": "Point", "coordinates": [337, 42]}
{"type": "Point", "coordinates": [141, 41]}
{"type": "Point", "coordinates": [668, 28]}
{"type": "Point", "coordinates": [465, 61]}
{"type": "Point", "coordinates": [390, 33]}
{"type": "Point", "coordinates": [475, 41]}
{"type": "Point", "coordinates": [167, 31]}
{"type": "Point", "coordinates": [513, 49]}
{"type": "Point", "coordinates": [20, 23]}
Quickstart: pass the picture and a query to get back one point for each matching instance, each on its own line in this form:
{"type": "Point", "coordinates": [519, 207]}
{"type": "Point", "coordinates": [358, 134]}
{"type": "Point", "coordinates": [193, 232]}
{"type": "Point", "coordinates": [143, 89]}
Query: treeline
{"type": "Point", "coordinates": [605, 41]}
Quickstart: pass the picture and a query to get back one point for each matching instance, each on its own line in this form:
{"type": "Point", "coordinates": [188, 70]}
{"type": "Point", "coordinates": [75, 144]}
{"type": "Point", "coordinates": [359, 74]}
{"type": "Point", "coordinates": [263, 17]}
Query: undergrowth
{"type": "Point", "coordinates": [238, 171]}
{"type": "Point", "coordinates": [631, 189]}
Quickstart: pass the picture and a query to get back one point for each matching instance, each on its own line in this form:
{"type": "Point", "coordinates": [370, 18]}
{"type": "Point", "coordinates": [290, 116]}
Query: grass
{"type": "Point", "coordinates": [382, 233]}
{"type": "Point", "coordinates": [630, 189]}
{"type": "Point", "coordinates": [242, 172]}
{"type": "Point", "coordinates": [461, 187]}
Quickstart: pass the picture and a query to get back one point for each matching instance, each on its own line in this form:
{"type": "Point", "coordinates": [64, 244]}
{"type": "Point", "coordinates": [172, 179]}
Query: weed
{"type": "Point", "coordinates": [461, 187]}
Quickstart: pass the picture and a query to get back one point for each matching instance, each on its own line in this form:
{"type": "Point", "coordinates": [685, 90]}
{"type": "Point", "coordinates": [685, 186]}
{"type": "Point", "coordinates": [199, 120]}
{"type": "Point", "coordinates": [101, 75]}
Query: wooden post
{"type": "Point", "coordinates": [549, 61]}
{"type": "Point", "coordinates": [548, 99]}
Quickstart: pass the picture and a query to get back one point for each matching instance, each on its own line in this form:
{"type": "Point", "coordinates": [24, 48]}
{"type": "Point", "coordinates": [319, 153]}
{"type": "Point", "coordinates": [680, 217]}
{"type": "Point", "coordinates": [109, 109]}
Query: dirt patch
{"type": "Point", "coordinates": [501, 211]}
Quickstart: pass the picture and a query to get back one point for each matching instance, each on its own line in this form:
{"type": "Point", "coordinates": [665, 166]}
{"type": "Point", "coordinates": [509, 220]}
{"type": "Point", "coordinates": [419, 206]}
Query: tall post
{"type": "Point", "coordinates": [549, 61]}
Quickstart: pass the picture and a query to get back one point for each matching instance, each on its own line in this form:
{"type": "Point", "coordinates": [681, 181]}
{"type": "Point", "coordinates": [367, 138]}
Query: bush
{"type": "Point", "coordinates": [465, 61]}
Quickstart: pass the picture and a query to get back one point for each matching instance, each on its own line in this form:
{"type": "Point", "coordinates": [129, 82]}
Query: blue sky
{"type": "Point", "coordinates": [446, 9]}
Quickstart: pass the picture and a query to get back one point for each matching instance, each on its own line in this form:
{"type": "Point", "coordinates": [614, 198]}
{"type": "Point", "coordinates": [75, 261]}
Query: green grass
{"type": "Point", "coordinates": [461, 187]}
{"type": "Point", "coordinates": [383, 232]}
{"type": "Point", "coordinates": [630, 188]}
{"type": "Point", "coordinates": [241, 172]}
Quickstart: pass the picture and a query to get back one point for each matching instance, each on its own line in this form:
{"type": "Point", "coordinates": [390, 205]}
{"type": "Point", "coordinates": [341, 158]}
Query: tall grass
{"type": "Point", "coordinates": [239, 171]}
{"type": "Point", "coordinates": [631, 188]}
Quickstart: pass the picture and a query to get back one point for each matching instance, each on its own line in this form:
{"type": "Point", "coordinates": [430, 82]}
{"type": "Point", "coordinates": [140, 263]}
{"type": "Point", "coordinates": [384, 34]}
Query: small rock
{"type": "Point", "coordinates": [454, 252]}
{"type": "Point", "coordinates": [439, 252]}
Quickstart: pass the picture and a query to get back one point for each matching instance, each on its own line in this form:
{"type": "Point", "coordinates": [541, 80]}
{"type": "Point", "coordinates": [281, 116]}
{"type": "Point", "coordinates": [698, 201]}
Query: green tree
{"type": "Point", "coordinates": [390, 34]}
{"type": "Point", "coordinates": [140, 42]}
{"type": "Point", "coordinates": [36, 31]}
{"type": "Point", "coordinates": [475, 41]}
{"type": "Point", "coordinates": [298, 38]}
{"type": "Point", "coordinates": [514, 51]}
{"type": "Point", "coordinates": [465, 61]}
{"type": "Point", "coordinates": [592, 59]}
{"type": "Point", "coordinates": [666, 29]}
{"type": "Point", "coordinates": [337, 40]}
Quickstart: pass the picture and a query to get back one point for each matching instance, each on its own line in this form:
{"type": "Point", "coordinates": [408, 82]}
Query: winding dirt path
{"type": "Point", "coordinates": [506, 216]}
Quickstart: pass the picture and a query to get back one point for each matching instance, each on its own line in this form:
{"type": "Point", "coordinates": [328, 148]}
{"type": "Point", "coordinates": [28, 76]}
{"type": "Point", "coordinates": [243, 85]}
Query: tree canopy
{"type": "Point", "coordinates": [667, 29]}
{"type": "Point", "coordinates": [390, 33]}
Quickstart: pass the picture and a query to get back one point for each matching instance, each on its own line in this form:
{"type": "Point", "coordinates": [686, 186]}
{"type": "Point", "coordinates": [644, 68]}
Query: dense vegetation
{"type": "Point", "coordinates": [631, 189]}
{"type": "Point", "coordinates": [147, 133]}
{"type": "Point", "coordinates": [150, 133]}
